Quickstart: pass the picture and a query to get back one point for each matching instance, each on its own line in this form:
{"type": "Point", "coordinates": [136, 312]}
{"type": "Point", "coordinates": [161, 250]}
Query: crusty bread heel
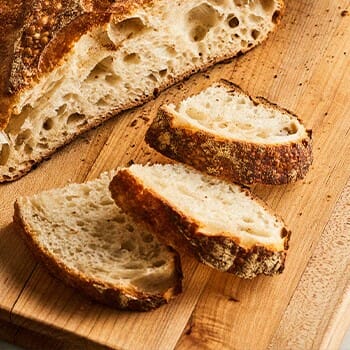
{"type": "Point", "coordinates": [84, 239]}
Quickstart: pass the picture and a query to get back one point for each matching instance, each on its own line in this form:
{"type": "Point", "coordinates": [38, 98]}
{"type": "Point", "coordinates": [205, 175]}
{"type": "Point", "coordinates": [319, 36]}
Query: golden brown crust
{"type": "Point", "coordinates": [37, 34]}
{"type": "Point", "coordinates": [175, 229]}
{"type": "Point", "coordinates": [106, 293]}
{"type": "Point", "coordinates": [11, 17]}
{"type": "Point", "coordinates": [234, 160]}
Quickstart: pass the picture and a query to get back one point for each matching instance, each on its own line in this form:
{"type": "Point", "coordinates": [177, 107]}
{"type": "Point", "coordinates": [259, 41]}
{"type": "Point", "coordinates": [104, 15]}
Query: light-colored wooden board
{"type": "Point", "coordinates": [304, 67]}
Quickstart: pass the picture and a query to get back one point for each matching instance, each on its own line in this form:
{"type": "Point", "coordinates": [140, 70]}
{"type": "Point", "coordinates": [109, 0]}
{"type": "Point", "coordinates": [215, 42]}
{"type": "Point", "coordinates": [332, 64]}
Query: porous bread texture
{"type": "Point", "coordinates": [219, 223]}
{"type": "Point", "coordinates": [232, 114]}
{"type": "Point", "coordinates": [226, 133]}
{"type": "Point", "coordinates": [85, 239]}
{"type": "Point", "coordinates": [122, 64]}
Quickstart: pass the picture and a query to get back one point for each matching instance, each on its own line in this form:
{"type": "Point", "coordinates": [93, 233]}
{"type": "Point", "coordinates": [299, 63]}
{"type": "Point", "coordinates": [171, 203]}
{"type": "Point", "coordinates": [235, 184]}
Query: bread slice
{"type": "Point", "coordinates": [88, 242]}
{"type": "Point", "coordinates": [221, 224]}
{"type": "Point", "coordinates": [226, 133]}
{"type": "Point", "coordinates": [66, 69]}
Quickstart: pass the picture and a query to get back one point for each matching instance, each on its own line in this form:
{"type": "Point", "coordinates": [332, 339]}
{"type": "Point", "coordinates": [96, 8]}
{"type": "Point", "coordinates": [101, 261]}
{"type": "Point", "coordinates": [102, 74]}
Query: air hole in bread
{"type": "Point", "coordinates": [4, 154]}
{"type": "Point", "coordinates": [128, 245]}
{"type": "Point", "coordinates": [163, 72]}
{"type": "Point", "coordinates": [244, 43]}
{"type": "Point", "coordinates": [255, 19]}
{"type": "Point", "coordinates": [60, 110]}
{"type": "Point", "coordinates": [262, 135]}
{"type": "Point", "coordinates": [240, 3]}
{"type": "Point", "coordinates": [254, 232]}
{"type": "Point", "coordinates": [255, 34]}
{"type": "Point", "coordinates": [232, 21]}
{"type": "Point", "coordinates": [130, 228]}
{"type": "Point", "coordinates": [267, 5]}
{"type": "Point", "coordinates": [146, 237]}
{"type": "Point", "coordinates": [201, 19]}
{"type": "Point", "coordinates": [218, 2]}
{"type": "Point", "coordinates": [130, 27]}
{"type": "Point", "coordinates": [48, 124]}
{"type": "Point", "coordinates": [42, 145]}
{"type": "Point", "coordinates": [28, 149]}
{"type": "Point", "coordinates": [248, 220]}
{"type": "Point", "coordinates": [80, 223]}
{"type": "Point", "coordinates": [243, 31]}
{"type": "Point", "coordinates": [76, 118]}
{"type": "Point", "coordinates": [17, 121]}
{"type": "Point", "coordinates": [276, 16]}
{"type": "Point", "coordinates": [71, 97]}
{"type": "Point", "coordinates": [171, 51]}
{"type": "Point", "coordinates": [196, 114]}
{"type": "Point", "coordinates": [106, 202]}
{"type": "Point", "coordinates": [159, 263]}
{"type": "Point", "coordinates": [105, 100]}
{"type": "Point", "coordinates": [132, 58]}
{"type": "Point", "coordinates": [86, 191]}
{"type": "Point", "coordinates": [244, 126]}
{"type": "Point", "coordinates": [153, 77]}
{"type": "Point", "coordinates": [102, 68]}
{"type": "Point", "coordinates": [23, 136]}
{"type": "Point", "coordinates": [198, 33]}
{"type": "Point", "coordinates": [102, 102]}
{"type": "Point", "coordinates": [223, 125]}
{"type": "Point", "coordinates": [291, 129]}
{"type": "Point", "coordinates": [92, 246]}
{"type": "Point", "coordinates": [112, 79]}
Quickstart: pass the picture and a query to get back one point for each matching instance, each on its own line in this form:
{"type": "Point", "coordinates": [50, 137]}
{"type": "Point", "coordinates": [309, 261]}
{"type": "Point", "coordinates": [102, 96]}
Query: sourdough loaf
{"type": "Point", "coordinates": [68, 65]}
{"type": "Point", "coordinates": [226, 133]}
{"type": "Point", "coordinates": [220, 223]}
{"type": "Point", "coordinates": [87, 241]}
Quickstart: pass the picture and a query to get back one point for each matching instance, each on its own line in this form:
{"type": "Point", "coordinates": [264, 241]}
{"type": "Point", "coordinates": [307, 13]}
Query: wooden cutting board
{"type": "Point", "coordinates": [304, 67]}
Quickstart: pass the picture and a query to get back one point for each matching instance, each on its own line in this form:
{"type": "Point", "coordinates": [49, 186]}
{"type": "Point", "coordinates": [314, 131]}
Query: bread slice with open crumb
{"type": "Point", "coordinates": [86, 240]}
{"type": "Point", "coordinates": [218, 222]}
{"type": "Point", "coordinates": [66, 67]}
{"type": "Point", "coordinates": [226, 133]}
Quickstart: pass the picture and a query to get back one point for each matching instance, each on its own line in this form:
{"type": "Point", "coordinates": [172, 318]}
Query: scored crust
{"type": "Point", "coordinates": [183, 233]}
{"type": "Point", "coordinates": [106, 293]}
{"type": "Point", "coordinates": [234, 160]}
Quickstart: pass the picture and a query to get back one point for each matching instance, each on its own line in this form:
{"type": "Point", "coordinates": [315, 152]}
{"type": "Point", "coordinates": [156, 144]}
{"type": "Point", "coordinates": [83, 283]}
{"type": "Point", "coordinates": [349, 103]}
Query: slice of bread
{"type": "Point", "coordinates": [66, 69]}
{"type": "Point", "coordinates": [87, 241]}
{"type": "Point", "coordinates": [226, 133]}
{"type": "Point", "coordinates": [221, 224]}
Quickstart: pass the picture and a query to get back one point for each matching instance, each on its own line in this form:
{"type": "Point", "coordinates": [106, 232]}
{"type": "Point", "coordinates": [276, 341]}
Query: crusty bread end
{"type": "Point", "coordinates": [85, 240]}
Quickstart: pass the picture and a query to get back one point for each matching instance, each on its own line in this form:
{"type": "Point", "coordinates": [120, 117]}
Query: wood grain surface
{"type": "Point", "coordinates": [304, 67]}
